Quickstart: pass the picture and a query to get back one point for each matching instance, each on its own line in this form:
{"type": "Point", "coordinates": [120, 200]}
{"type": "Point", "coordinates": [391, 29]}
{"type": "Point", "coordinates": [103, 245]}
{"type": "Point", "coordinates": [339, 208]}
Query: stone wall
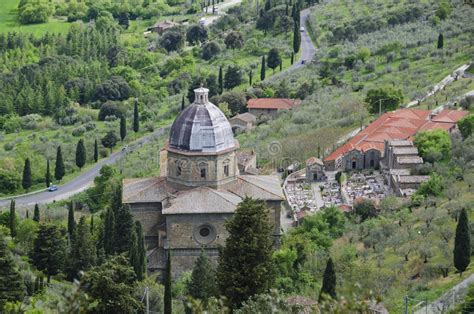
{"type": "Point", "coordinates": [151, 218]}
{"type": "Point", "coordinates": [271, 113]}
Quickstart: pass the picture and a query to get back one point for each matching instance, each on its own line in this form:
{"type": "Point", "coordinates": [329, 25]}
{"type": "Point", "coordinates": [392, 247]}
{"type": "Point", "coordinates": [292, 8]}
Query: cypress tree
{"type": "Point", "coordinates": [220, 80]}
{"type": "Point", "coordinates": [83, 255]}
{"type": "Point", "coordinates": [124, 225]}
{"type": "Point", "coordinates": [11, 283]}
{"type": "Point", "coordinates": [26, 183]}
{"type": "Point", "coordinates": [92, 224]}
{"type": "Point", "coordinates": [462, 243]}
{"type": "Point", "coordinates": [440, 41]}
{"type": "Point", "coordinates": [133, 253]}
{"type": "Point", "coordinates": [292, 58]}
{"type": "Point", "coordinates": [71, 223]}
{"type": "Point", "coordinates": [296, 38]}
{"type": "Point", "coordinates": [109, 232]}
{"type": "Point", "coordinates": [96, 151]}
{"type": "Point", "coordinates": [80, 154]}
{"type": "Point", "coordinates": [250, 77]}
{"type": "Point", "coordinates": [262, 71]}
{"type": "Point", "coordinates": [47, 176]}
{"type": "Point", "coordinates": [141, 251]}
{"type": "Point", "coordinates": [36, 213]}
{"type": "Point", "coordinates": [49, 250]}
{"type": "Point", "coordinates": [249, 247]}
{"type": "Point", "coordinates": [123, 128]}
{"type": "Point", "coordinates": [202, 285]}
{"type": "Point", "coordinates": [27, 214]}
{"type": "Point", "coordinates": [182, 103]}
{"type": "Point", "coordinates": [167, 297]}
{"type": "Point", "coordinates": [12, 219]}
{"type": "Point", "coordinates": [136, 118]}
{"type": "Point", "coordinates": [281, 65]}
{"type": "Point", "coordinates": [329, 281]}
{"type": "Point", "coordinates": [59, 171]}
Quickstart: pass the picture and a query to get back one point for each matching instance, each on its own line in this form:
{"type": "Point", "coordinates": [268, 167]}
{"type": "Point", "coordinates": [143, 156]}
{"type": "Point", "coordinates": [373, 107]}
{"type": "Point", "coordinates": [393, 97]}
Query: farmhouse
{"type": "Point", "coordinates": [184, 211]}
{"type": "Point", "coordinates": [366, 149]}
{"type": "Point", "coordinates": [270, 107]}
{"type": "Point", "coordinates": [161, 27]}
{"type": "Point", "coordinates": [243, 122]}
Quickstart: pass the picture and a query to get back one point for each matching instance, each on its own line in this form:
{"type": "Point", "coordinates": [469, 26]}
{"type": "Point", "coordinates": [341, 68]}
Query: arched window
{"type": "Point", "coordinates": [226, 168]}
{"type": "Point", "coordinates": [178, 168]}
{"type": "Point", "coordinates": [203, 170]}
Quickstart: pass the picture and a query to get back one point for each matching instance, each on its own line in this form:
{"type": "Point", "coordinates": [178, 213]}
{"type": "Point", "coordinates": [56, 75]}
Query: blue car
{"type": "Point", "coordinates": [53, 188]}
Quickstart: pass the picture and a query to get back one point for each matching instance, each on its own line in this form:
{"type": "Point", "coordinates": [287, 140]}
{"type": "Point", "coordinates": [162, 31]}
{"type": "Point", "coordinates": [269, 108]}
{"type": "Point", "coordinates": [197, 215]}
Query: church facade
{"type": "Point", "coordinates": [185, 209]}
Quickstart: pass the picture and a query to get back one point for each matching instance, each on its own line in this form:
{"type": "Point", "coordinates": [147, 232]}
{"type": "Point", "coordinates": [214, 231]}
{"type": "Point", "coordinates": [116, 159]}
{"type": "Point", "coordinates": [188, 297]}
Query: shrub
{"type": "Point", "coordinates": [404, 65]}
{"type": "Point", "coordinates": [8, 146]}
{"type": "Point", "coordinates": [109, 109]}
{"type": "Point", "coordinates": [78, 131]}
{"type": "Point", "coordinates": [210, 50]}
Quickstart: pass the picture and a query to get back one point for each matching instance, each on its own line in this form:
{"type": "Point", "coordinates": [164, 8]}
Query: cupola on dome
{"type": "Point", "coordinates": [201, 127]}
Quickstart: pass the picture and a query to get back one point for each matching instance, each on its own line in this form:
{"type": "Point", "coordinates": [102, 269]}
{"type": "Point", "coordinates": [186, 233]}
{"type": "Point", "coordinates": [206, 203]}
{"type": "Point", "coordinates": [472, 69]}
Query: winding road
{"type": "Point", "coordinates": [86, 179]}
{"type": "Point", "coordinates": [82, 181]}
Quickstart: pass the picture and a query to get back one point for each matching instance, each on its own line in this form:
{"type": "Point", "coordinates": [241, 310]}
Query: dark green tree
{"type": "Point", "coordinates": [83, 253]}
{"type": "Point", "coordinates": [383, 99]}
{"type": "Point", "coordinates": [71, 223]}
{"type": "Point", "coordinates": [59, 171]}
{"type": "Point", "coordinates": [141, 263]}
{"type": "Point", "coordinates": [49, 252]}
{"type": "Point", "coordinates": [296, 38]}
{"type": "Point", "coordinates": [136, 118]}
{"type": "Point", "coordinates": [440, 41]}
{"type": "Point", "coordinates": [26, 182]}
{"type": "Point", "coordinates": [262, 70]}
{"type": "Point", "coordinates": [232, 77]}
{"type": "Point", "coordinates": [12, 219]}
{"type": "Point", "coordinates": [196, 34]}
{"type": "Point", "coordinates": [329, 282]}
{"type": "Point", "coordinates": [250, 77]}
{"type": "Point", "coordinates": [133, 253]}
{"type": "Point", "coordinates": [47, 177]}
{"type": "Point", "coordinates": [80, 154]}
{"type": "Point", "coordinates": [124, 226]}
{"type": "Point", "coordinates": [96, 151]}
{"type": "Point", "coordinates": [111, 285]}
{"type": "Point", "coordinates": [234, 40]}
{"type": "Point", "coordinates": [274, 59]}
{"type": "Point", "coordinates": [203, 279]}
{"type": "Point", "coordinates": [292, 60]}
{"type": "Point", "coordinates": [109, 232]}
{"type": "Point", "coordinates": [466, 126]}
{"type": "Point", "coordinates": [168, 301]}
{"type": "Point", "coordinates": [462, 243]}
{"type": "Point", "coordinates": [123, 128]}
{"type": "Point", "coordinates": [249, 247]}
{"type": "Point", "coordinates": [110, 140]}
{"type": "Point", "coordinates": [183, 104]}
{"type": "Point", "coordinates": [36, 213]}
{"type": "Point", "coordinates": [220, 80]}
{"type": "Point", "coordinates": [11, 283]}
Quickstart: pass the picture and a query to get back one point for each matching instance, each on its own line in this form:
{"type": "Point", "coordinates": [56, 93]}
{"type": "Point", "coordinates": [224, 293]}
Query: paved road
{"type": "Point", "coordinates": [222, 8]}
{"type": "Point", "coordinates": [84, 180]}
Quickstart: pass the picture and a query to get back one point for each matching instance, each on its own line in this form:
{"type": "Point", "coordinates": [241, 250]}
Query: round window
{"type": "Point", "coordinates": [204, 232]}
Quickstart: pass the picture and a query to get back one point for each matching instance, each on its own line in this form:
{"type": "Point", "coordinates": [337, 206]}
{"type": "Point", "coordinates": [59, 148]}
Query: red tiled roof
{"type": "Point", "coordinates": [272, 103]}
{"type": "Point", "coordinates": [401, 124]}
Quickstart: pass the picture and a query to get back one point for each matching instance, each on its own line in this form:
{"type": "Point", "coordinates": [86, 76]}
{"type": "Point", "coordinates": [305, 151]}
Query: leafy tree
{"type": "Point", "coordinates": [443, 11]}
{"type": "Point", "coordinates": [109, 109]}
{"type": "Point", "coordinates": [234, 40]}
{"type": "Point", "coordinates": [365, 209]}
{"type": "Point", "coordinates": [433, 145]}
{"type": "Point", "coordinates": [111, 285]}
{"type": "Point", "coordinates": [440, 41]}
{"type": "Point", "coordinates": [462, 243]}
{"type": "Point", "coordinates": [136, 118]}
{"type": "Point", "coordinates": [196, 34]}
{"type": "Point", "coordinates": [232, 77]}
{"type": "Point", "coordinates": [124, 20]}
{"type": "Point", "coordinates": [96, 151]}
{"type": "Point", "coordinates": [172, 40]}
{"type": "Point", "coordinates": [249, 247]}
{"type": "Point", "coordinates": [80, 154]}
{"type": "Point", "coordinates": [434, 186]}
{"type": "Point", "coordinates": [203, 282]}
{"type": "Point", "coordinates": [274, 59]}
{"type": "Point", "coordinates": [296, 38]}
{"type": "Point", "coordinates": [262, 70]}
{"type": "Point", "coordinates": [12, 219]}
{"type": "Point", "coordinates": [26, 182]}
{"type": "Point", "coordinates": [383, 99]}
{"type": "Point", "coordinates": [110, 140]}
{"type": "Point", "coordinates": [71, 223]}
{"type": "Point", "coordinates": [123, 128]}
{"type": "Point", "coordinates": [466, 126]}
{"type": "Point", "coordinates": [11, 283]}
{"type": "Point", "coordinates": [235, 100]}
{"type": "Point", "coordinates": [49, 250]}
{"type": "Point", "coordinates": [83, 253]}
{"type": "Point", "coordinates": [115, 88]}
{"type": "Point", "coordinates": [47, 177]}
{"type": "Point", "coordinates": [34, 12]}
{"type": "Point", "coordinates": [210, 50]}
{"type": "Point", "coordinates": [36, 213]}
{"type": "Point", "coordinates": [168, 301]}
{"type": "Point", "coordinates": [59, 171]}
{"type": "Point", "coordinates": [329, 281]}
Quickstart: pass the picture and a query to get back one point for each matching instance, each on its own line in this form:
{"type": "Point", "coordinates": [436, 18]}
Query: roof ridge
{"type": "Point", "coordinates": [241, 177]}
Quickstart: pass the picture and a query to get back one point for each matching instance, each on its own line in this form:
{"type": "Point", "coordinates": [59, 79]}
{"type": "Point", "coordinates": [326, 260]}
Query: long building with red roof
{"type": "Point", "coordinates": [365, 149]}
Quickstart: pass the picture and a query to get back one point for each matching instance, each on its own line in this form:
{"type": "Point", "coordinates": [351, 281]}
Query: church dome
{"type": "Point", "coordinates": [201, 127]}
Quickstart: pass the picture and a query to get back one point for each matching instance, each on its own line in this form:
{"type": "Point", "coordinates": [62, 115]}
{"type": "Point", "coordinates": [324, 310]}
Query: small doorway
{"type": "Point", "coordinates": [372, 163]}
{"type": "Point", "coordinates": [354, 165]}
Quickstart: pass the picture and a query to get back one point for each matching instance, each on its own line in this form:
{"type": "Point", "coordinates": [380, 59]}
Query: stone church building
{"type": "Point", "coordinates": [185, 209]}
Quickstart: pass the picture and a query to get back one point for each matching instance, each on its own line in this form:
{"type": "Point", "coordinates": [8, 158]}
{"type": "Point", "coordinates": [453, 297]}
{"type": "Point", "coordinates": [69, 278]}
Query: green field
{"type": "Point", "coordinates": [10, 23]}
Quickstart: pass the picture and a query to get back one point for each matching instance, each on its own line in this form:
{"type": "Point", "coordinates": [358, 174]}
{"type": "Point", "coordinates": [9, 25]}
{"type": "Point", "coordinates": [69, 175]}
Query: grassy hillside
{"type": "Point", "coordinates": [10, 23]}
